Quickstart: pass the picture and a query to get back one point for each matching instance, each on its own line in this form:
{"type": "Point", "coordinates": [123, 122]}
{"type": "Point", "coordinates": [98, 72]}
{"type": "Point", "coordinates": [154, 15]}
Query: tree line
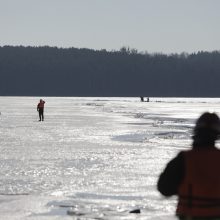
{"type": "Point", "coordinates": [52, 71]}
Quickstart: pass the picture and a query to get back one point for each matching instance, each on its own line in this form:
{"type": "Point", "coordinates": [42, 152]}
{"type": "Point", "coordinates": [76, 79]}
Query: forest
{"type": "Point", "coordinates": [53, 71]}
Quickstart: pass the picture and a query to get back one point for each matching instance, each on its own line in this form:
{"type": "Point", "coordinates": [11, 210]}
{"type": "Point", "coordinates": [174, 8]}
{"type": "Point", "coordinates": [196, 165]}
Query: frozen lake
{"type": "Point", "coordinates": [92, 158]}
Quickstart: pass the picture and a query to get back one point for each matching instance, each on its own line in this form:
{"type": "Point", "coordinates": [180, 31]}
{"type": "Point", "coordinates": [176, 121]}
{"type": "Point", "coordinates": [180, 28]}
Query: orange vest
{"type": "Point", "coordinates": [199, 192]}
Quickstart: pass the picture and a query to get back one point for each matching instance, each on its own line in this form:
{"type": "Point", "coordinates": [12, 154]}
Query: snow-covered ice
{"type": "Point", "coordinates": [92, 158]}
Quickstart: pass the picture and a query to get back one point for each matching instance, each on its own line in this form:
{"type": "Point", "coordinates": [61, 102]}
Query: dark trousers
{"type": "Point", "coordinates": [41, 114]}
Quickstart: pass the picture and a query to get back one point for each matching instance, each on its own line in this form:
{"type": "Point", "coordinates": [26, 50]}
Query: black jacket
{"type": "Point", "coordinates": [172, 176]}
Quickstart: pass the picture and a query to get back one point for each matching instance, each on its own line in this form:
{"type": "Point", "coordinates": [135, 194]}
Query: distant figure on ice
{"type": "Point", "coordinates": [193, 175]}
{"type": "Point", "coordinates": [142, 99]}
{"type": "Point", "coordinates": [40, 109]}
{"type": "Point", "coordinates": [148, 99]}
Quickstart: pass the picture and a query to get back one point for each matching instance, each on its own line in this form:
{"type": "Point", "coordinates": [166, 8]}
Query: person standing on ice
{"type": "Point", "coordinates": [193, 175]}
{"type": "Point", "coordinates": [40, 109]}
{"type": "Point", "coordinates": [142, 98]}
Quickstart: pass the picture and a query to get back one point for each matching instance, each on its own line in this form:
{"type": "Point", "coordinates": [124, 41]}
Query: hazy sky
{"type": "Point", "coordinates": [166, 26]}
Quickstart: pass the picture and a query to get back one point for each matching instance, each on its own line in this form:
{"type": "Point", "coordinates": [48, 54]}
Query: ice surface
{"type": "Point", "coordinates": [92, 158]}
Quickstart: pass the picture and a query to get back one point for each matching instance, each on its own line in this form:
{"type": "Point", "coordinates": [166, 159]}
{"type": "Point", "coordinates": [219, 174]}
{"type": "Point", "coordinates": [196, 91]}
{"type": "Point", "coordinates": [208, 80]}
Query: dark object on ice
{"type": "Point", "coordinates": [66, 206]}
{"type": "Point", "coordinates": [136, 211]}
{"type": "Point", "coordinates": [40, 109]}
{"type": "Point", "coordinates": [72, 212]}
{"type": "Point", "coordinates": [142, 99]}
{"type": "Point", "coordinates": [193, 175]}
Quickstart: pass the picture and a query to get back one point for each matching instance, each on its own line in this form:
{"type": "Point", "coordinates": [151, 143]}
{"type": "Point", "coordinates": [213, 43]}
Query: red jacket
{"type": "Point", "coordinates": [41, 105]}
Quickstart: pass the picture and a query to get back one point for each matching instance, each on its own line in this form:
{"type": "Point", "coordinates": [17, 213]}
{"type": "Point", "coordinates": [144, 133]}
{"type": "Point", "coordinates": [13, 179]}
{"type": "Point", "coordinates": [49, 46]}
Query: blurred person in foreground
{"type": "Point", "coordinates": [194, 175]}
{"type": "Point", "coordinates": [40, 109]}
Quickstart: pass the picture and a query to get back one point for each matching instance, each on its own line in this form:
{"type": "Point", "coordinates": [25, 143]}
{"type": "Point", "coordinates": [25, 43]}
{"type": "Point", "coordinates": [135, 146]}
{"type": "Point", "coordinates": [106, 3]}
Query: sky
{"type": "Point", "coordinates": [154, 26]}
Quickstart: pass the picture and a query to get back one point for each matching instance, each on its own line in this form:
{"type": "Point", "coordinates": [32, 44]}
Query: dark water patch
{"type": "Point", "coordinates": [94, 104]}
{"type": "Point", "coordinates": [134, 138]}
{"type": "Point", "coordinates": [14, 194]}
{"type": "Point", "coordinates": [90, 209]}
{"type": "Point", "coordinates": [172, 135]}
{"type": "Point", "coordinates": [139, 123]}
{"type": "Point", "coordinates": [103, 196]}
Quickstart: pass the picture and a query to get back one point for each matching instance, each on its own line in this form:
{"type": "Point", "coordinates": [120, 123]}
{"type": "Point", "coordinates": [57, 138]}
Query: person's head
{"type": "Point", "coordinates": [41, 100]}
{"type": "Point", "coordinates": [206, 130]}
